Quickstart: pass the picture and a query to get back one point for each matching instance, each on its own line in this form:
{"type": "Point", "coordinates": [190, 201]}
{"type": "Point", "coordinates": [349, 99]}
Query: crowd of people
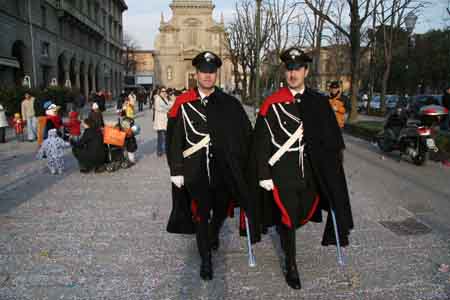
{"type": "Point", "coordinates": [40, 120]}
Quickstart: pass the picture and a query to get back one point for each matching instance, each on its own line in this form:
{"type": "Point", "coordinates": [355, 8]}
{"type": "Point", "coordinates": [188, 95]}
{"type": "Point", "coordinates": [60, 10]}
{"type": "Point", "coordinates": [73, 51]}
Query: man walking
{"type": "Point", "coordinates": [207, 149]}
{"type": "Point", "coordinates": [337, 104]}
{"type": "Point", "coordinates": [298, 148]}
{"type": "Point", "coordinates": [28, 114]}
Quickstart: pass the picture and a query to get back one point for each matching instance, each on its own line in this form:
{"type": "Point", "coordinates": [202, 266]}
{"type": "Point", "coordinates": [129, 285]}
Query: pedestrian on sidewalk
{"type": "Point", "coordinates": [54, 121]}
{"type": "Point", "coordinates": [96, 116]}
{"type": "Point", "coordinates": [90, 150]}
{"type": "Point", "coordinates": [19, 125]}
{"type": "Point", "coordinates": [3, 124]}
{"type": "Point", "coordinates": [73, 126]}
{"type": "Point", "coordinates": [53, 150]}
{"type": "Point", "coordinates": [297, 164]}
{"type": "Point", "coordinates": [28, 114]}
{"type": "Point", "coordinates": [41, 118]}
{"type": "Point", "coordinates": [162, 107]}
{"type": "Point", "coordinates": [337, 103]}
{"type": "Point", "coordinates": [207, 137]}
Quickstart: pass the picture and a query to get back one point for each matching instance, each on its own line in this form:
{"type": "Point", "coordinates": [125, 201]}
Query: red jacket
{"type": "Point", "coordinates": [74, 124]}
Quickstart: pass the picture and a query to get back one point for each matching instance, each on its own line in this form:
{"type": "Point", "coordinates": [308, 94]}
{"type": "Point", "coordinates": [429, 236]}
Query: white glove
{"type": "Point", "coordinates": [266, 184]}
{"type": "Point", "coordinates": [177, 180]}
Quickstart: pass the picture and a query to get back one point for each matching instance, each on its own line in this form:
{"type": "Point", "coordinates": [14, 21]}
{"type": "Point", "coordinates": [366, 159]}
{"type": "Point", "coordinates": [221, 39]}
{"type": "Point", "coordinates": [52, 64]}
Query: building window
{"type": "Point", "coordinates": [44, 16]}
{"type": "Point", "coordinates": [45, 49]}
{"type": "Point", "coordinates": [169, 73]}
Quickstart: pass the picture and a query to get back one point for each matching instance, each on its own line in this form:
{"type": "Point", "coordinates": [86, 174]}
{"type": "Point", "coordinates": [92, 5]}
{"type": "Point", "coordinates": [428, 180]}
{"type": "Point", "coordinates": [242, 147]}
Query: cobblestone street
{"type": "Point", "coordinates": [102, 236]}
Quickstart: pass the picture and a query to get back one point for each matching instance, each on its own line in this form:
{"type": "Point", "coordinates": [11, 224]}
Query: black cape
{"type": "Point", "coordinates": [230, 130]}
{"type": "Point", "coordinates": [324, 148]}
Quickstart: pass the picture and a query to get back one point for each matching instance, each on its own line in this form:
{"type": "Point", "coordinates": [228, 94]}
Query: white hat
{"type": "Point", "coordinates": [52, 106]}
{"type": "Point", "coordinates": [94, 106]}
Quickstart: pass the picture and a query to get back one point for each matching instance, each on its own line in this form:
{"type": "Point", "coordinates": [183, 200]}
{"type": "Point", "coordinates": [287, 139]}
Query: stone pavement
{"type": "Point", "coordinates": [102, 236]}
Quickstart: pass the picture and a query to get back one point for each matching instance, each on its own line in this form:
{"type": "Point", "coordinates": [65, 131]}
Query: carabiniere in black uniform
{"type": "Point", "coordinates": [207, 144]}
{"type": "Point", "coordinates": [298, 146]}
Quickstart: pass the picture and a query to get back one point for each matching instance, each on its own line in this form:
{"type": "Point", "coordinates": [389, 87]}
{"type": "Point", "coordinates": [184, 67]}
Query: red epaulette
{"type": "Point", "coordinates": [188, 96]}
{"type": "Point", "coordinates": [282, 95]}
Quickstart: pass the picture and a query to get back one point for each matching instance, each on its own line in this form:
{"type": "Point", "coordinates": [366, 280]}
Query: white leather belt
{"type": "Point", "coordinates": [202, 144]}
{"type": "Point", "coordinates": [296, 137]}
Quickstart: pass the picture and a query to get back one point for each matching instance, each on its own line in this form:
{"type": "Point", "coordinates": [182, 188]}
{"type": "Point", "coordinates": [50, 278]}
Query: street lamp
{"type": "Point", "coordinates": [410, 23]}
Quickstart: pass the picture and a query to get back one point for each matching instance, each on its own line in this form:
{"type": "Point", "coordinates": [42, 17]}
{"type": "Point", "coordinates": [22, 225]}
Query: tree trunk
{"type": "Point", "coordinates": [384, 83]}
{"type": "Point", "coordinates": [355, 37]}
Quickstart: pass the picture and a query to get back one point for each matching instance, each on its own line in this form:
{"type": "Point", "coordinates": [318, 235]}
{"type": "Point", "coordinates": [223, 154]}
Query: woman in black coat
{"type": "Point", "coordinates": [90, 150]}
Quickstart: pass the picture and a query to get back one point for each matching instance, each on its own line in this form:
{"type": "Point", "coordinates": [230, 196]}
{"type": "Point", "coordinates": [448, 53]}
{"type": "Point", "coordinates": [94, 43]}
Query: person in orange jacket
{"type": "Point", "coordinates": [337, 103]}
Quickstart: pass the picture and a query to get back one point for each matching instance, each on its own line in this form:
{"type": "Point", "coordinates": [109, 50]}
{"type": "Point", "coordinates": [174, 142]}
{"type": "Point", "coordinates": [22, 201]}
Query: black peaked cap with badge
{"type": "Point", "coordinates": [294, 58]}
{"type": "Point", "coordinates": [207, 62]}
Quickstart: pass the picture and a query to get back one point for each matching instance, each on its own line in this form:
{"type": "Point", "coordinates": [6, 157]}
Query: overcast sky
{"type": "Point", "coordinates": [141, 21]}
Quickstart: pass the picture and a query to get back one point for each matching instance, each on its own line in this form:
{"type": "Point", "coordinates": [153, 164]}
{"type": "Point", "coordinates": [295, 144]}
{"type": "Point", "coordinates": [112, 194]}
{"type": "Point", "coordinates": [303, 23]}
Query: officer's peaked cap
{"type": "Point", "coordinates": [295, 58]}
{"type": "Point", "coordinates": [207, 62]}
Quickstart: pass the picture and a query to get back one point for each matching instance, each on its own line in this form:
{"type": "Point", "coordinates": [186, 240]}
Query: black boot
{"type": "Point", "coordinates": [287, 238]}
{"type": "Point", "coordinates": [292, 277]}
{"type": "Point", "coordinates": [214, 232]}
{"type": "Point", "coordinates": [206, 271]}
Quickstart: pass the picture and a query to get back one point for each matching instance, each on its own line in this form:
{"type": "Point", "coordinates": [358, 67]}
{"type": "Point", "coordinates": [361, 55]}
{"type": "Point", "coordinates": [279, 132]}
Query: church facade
{"type": "Point", "coordinates": [190, 31]}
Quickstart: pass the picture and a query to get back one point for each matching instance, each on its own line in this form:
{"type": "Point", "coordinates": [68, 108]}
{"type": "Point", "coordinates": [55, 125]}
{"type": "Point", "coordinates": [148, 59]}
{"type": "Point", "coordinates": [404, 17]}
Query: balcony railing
{"type": "Point", "coordinates": [66, 9]}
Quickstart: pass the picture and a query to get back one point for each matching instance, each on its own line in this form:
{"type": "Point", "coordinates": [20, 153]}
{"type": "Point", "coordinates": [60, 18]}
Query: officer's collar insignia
{"type": "Point", "coordinates": [208, 57]}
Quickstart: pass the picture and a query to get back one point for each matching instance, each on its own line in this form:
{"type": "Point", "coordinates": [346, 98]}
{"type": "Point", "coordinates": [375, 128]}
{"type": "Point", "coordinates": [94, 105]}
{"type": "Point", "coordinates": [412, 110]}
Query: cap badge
{"type": "Point", "coordinates": [209, 57]}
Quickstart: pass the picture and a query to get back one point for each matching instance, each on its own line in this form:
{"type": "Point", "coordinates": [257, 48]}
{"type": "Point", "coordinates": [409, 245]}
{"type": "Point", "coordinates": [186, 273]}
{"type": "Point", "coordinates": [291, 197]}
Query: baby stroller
{"type": "Point", "coordinates": [115, 139]}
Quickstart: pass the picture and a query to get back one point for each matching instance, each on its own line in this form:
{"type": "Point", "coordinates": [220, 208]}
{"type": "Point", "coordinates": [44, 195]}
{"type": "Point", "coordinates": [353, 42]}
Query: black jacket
{"type": "Point", "coordinates": [230, 131]}
{"type": "Point", "coordinates": [324, 146]}
{"type": "Point", "coordinates": [90, 150]}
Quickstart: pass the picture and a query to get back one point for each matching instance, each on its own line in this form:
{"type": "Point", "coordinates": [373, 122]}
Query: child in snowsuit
{"type": "Point", "coordinates": [53, 149]}
{"type": "Point", "coordinates": [18, 126]}
{"type": "Point", "coordinates": [130, 140]}
{"type": "Point", "coordinates": [73, 126]}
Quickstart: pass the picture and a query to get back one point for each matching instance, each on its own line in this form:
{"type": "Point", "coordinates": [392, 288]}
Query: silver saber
{"type": "Point", "coordinates": [340, 257]}
{"type": "Point", "coordinates": [251, 256]}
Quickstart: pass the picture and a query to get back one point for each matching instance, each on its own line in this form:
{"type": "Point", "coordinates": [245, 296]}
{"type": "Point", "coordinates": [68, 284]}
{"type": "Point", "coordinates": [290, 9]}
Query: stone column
{"type": "Point", "coordinates": [77, 79]}
{"type": "Point", "coordinates": [86, 83]}
{"type": "Point", "coordinates": [94, 76]}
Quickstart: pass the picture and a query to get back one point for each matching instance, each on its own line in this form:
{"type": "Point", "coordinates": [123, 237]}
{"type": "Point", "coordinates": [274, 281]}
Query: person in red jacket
{"type": "Point", "coordinates": [73, 126]}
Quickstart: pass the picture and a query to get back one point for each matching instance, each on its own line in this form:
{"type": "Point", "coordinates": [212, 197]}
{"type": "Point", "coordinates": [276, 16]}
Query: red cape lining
{"type": "Point", "coordinates": [188, 96]}
{"type": "Point", "coordinates": [282, 95]}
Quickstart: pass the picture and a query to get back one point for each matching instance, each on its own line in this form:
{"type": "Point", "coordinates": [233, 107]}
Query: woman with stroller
{"type": "Point", "coordinates": [90, 150]}
{"type": "Point", "coordinates": [162, 106]}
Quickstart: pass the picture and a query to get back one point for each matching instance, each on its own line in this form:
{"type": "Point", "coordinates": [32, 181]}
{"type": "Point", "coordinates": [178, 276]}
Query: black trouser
{"type": "Point", "coordinates": [215, 199]}
{"type": "Point", "coordinates": [287, 239]}
{"type": "Point", "coordinates": [2, 134]}
{"type": "Point", "coordinates": [141, 105]}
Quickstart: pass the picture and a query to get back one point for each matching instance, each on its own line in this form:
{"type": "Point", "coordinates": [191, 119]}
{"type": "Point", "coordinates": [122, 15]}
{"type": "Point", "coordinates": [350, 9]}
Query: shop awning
{"type": "Point", "coordinates": [11, 62]}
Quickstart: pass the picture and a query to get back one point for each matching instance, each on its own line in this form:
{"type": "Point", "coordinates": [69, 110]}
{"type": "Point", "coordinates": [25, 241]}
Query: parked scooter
{"type": "Point", "coordinates": [413, 138]}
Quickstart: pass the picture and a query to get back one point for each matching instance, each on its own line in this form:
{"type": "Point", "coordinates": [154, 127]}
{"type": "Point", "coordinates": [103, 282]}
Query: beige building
{"type": "Point", "coordinates": [140, 68]}
{"type": "Point", "coordinates": [190, 31]}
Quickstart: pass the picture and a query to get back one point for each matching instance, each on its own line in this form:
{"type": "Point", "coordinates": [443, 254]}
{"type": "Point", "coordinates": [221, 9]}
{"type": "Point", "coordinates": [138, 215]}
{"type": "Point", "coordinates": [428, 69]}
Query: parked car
{"type": "Point", "coordinates": [419, 101]}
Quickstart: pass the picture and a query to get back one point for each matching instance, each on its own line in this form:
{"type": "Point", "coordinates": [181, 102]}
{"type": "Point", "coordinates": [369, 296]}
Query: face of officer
{"type": "Point", "coordinates": [296, 77]}
{"type": "Point", "coordinates": [206, 81]}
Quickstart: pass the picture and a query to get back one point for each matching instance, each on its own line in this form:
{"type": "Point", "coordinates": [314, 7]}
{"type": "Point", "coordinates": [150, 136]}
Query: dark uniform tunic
{"type": "Point", "coordinates": [294, 193]}
{"type": "Point", "coordinates": [214, 175]}
{"type": "Point", "coordinates": [297, 190]}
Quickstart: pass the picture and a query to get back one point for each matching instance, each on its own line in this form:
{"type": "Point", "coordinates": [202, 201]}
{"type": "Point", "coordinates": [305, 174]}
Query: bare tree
{"type": "Point", "coordinates": [314, 28]}
{"type": "Point", "coordinates": [129, 54]}
{"type": "Point", "coordinates": [281, 19]}
{"type": "Point", "coordinates": [243, 44]}
{"type": "Point", "coordinates": [391, 16]}
{"type": "Point", "coordinates": [359, 11]}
